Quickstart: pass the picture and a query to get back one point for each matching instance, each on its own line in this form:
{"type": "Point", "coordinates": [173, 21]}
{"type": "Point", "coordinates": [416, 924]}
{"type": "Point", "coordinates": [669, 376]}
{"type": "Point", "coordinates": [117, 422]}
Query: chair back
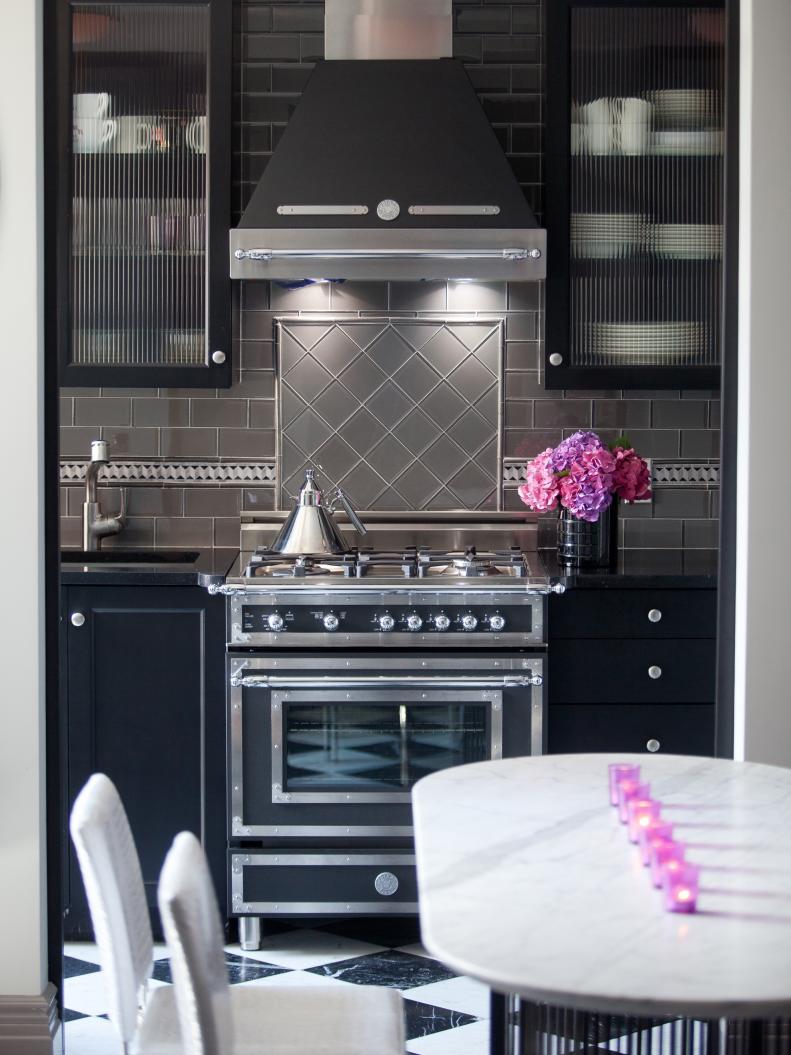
{"type": "Point", "coordinates": [113, 882]}
{"type": "Point", "coordinates": [191, 921]}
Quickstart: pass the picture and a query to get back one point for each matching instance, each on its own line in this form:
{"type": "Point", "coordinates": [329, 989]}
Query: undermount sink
{"type": "Point", "coordinates": [128, 557]}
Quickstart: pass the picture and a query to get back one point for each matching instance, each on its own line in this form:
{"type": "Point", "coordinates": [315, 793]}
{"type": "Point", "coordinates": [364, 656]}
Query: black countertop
{"type": "Point", "coordinates": [108, 569]}
{"type": "Point", "coordinates": [671, 568]}
{"type": "Point", "coordinates": [635, 569]}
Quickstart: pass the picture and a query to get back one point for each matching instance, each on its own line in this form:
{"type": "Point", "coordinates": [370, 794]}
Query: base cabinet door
{"type": "Point", "coordinates": [144, 702]}
{"type": "Point", "coordinates": [676, 728]}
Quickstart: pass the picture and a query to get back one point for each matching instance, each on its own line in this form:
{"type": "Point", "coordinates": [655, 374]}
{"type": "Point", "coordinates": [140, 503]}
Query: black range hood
{"type": "Point", "coordinates": [388, 169]}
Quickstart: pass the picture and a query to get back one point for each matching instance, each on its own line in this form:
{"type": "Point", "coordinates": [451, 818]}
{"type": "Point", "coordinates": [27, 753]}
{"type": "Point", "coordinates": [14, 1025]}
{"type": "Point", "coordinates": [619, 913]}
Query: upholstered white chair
{"type": "Point", "coordinates": [146, 1020]}
{"type": "Point", "coordinates": [218, 1019]}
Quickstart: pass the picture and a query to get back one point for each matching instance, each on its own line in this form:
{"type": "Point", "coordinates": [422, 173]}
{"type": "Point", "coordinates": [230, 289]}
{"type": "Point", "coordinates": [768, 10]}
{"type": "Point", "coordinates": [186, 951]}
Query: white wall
{"type": "Point", "coordinates": [22, 856]}
{"type": "Point", "coordinates": [763, 628]}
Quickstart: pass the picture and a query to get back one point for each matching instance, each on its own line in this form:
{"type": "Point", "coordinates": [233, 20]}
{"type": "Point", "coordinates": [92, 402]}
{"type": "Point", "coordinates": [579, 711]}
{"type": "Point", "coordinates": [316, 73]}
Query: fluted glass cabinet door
{"type": "Point", "coordinates": [148, 294]}
{"type": "Point", "coordinates": [635, 196]}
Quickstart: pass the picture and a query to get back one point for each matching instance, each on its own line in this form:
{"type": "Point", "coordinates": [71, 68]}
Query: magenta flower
{"type": "Point", "coordinates": [587, 489]}
{"type": "Point", "coordinates": [631, 479]}
{"type": "Point", "coordinates": [570, 450]}
{"type": "Point", "coordinates": [540, 492]}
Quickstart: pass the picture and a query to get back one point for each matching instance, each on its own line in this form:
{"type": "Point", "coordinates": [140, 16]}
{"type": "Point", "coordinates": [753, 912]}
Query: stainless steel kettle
{"type": "Point", "coordinates": [310, 529]}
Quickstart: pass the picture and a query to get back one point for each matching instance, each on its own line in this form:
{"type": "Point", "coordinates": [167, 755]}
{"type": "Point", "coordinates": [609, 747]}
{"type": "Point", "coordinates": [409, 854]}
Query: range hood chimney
{"type": "Point", "coordinates": [389, 168]}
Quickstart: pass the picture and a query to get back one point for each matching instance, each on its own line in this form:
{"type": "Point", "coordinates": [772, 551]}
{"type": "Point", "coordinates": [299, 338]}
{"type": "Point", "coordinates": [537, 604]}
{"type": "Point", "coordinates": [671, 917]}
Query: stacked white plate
{"type": "Point", "coordinates": [606, 236]}
{"type": "Point", "coordinates": [686, 241]}
{"type": "Point", "coordinates": [689, 108]}
{"type": "Point", "coordinates": [645, 343]}
{"type": "Point", "coordinates": [675, 142]}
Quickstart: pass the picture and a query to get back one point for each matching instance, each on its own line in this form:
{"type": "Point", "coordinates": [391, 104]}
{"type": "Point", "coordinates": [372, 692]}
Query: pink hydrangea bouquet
{"type": "Point", "coordinates": [582, 476]}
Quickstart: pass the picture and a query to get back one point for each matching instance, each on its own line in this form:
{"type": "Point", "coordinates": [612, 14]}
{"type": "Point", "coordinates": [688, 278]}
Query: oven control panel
{"type": "Point", "coordinates": [466, 619]}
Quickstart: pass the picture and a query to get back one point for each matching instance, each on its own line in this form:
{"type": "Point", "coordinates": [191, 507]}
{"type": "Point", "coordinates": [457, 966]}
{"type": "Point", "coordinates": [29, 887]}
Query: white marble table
{"type": "Point", "coordinates": [528, 882]}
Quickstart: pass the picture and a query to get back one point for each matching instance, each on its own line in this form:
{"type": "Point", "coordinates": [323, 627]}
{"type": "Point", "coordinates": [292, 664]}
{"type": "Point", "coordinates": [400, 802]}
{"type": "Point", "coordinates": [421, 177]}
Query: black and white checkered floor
{"type": "Point", "coordinates": [445, 1014]}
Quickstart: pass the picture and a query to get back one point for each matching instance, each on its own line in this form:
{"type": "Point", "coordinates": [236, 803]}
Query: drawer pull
{"type": "Point", "coordinates": [654, 672]}
{"type": "Point", "coordinates": [386, 884]}
{"type": "Point", "coordinates": [654, 615]}
{"type": "Point", "coordinates": [77, 619]}
{"type": "Point", "coordinates": [652, 745]}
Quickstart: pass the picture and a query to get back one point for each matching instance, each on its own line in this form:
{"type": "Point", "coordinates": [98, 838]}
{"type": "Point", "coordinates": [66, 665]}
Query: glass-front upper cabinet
{"type": "Point", "coordinates": [144, 193]}
{"type": "Point", "coordinates": [634, 188]}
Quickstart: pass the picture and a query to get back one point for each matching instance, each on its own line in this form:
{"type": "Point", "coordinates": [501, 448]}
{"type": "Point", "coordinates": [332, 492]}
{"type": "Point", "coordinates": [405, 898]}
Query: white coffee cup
{"type": "Point", "coordinates": [135, 135]}
{"type": "Point", "coordinates": [599, 135]}
{"type": "Point", "coordinates": [634, 125]}
{"type": "Point", "coordinates": [90, 104]}
{"type": "Point", "coordinates": [196, 134]}
{"type": "Point", "coordinates": [90, 135]}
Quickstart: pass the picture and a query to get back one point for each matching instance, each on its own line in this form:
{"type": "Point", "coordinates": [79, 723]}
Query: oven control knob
{"type": "Point", "coordinates": [275, 621]}
{"type": "Point", "coordinates": [496, 622]}
{"type": "Point", "coordinates": [330, 621]}
{"type": "Point", "coordinates": [386, 622]}
{"type": "Point", "coordinates": [468, 621]}
{"type": "Point", "coordinates": [441, 621]}
{"type": "Point", "coordinates": [413, 621]}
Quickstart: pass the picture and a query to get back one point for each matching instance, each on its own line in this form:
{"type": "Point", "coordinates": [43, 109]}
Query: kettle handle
{"type": "Point", "coordinates": [343, 498]}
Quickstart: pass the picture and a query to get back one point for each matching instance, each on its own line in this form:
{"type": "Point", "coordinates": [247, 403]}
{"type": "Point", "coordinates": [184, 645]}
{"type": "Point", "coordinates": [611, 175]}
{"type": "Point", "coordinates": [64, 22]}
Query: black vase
{"type": "Point", "coordinates": [582, 544]}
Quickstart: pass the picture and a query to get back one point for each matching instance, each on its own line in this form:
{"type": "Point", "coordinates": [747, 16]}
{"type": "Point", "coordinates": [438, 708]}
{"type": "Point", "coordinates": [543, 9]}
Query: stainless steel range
{"type": "Point", "coordinates": [351, 676]}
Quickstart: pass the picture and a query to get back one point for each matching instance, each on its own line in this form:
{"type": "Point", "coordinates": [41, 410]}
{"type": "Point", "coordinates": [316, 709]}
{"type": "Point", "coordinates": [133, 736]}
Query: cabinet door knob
{"type": "Point", "coordinates": [386, 884]}
{"type": "Point", "coordinates": [654, 615]}
{"type": "Point", "coordinates": [654, 672]}
{"type": "Point", "coordinates": [556, 359]}
{"type": "Point", "coordinates": [218, 357]}
{"type": "Point", "coordinates": [652, 745]}
{"type": "Point", "coordinates": [77, 619]}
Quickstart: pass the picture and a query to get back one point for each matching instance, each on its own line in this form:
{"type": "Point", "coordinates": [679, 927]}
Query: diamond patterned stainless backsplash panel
{"type": "Point", "coordinates": [403, 413]}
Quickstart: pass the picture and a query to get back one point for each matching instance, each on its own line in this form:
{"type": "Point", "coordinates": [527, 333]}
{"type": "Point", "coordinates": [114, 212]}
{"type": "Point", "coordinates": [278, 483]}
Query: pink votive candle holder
{"type": "Point", "coordinates": [680, 886]}
{"type": "Point", "coordinates": [639, 814]}
{"type": "Point", "coordinates": [663, 853]}
{"type": "Point", "coordinates": [628, 790]}
{"type": "Point", "coordinates": [619, 771]}
{"type": "Point", "coordinates": [658, 830]}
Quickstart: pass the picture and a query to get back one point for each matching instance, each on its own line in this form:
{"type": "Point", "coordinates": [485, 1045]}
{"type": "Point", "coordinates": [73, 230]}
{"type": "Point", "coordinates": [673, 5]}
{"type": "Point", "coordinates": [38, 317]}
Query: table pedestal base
{"type": "Point", "coordinates": [520, 1027]}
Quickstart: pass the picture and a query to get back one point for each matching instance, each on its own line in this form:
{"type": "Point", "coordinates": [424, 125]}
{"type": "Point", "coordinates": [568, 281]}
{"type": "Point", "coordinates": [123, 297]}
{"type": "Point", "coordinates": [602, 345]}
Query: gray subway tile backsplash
{"type": "Point", "coordinates": [275, 46]}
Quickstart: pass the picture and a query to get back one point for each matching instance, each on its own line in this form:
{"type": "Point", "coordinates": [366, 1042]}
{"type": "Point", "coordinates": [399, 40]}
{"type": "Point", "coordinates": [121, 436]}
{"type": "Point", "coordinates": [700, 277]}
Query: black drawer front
{"type": "Point", "coordinates": [678, 729]}
{"type": "Point", "coordinates": [625, 613]}
{"type": "Point", "coordinates": [618, 671]}
{"type": "Point", "coordinates": [316, 883]}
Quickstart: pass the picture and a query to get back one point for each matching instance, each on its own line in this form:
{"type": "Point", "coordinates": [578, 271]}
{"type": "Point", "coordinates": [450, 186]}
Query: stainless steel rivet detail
{"type": "Point", "coordinates": [652, 745]}
{"type": "Point", "coordinates": [654, 672]}
{"type": "Point", "coordinates": [654, 615]}
{"type": "Point", "coordinates": [535, 254]}
{"type": "Point", "coordinates": [218, 357]}
{"type": "Point", "coordinates": [556, 359]}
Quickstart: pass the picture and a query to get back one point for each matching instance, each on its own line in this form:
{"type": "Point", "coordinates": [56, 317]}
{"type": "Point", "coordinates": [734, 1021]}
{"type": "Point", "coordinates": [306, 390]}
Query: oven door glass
{"type": "Point", "coordinates": [371, 745]}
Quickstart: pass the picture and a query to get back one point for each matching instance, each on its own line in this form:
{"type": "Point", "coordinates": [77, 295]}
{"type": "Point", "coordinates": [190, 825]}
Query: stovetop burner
{"type": "Point", "coordinates": [411, 563]}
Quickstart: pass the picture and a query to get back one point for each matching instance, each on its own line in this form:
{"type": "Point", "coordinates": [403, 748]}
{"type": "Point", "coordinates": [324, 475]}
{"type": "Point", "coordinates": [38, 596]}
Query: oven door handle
{"type": "Point", "coordinates": [273, 681]}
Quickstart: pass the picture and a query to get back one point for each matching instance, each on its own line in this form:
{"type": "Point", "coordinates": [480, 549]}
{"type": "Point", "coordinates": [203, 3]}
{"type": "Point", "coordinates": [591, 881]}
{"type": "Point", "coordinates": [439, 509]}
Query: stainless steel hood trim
{"type": "Point", "coordinates": [518, 255]}
{"type": "Point", "coordinates": [454, 210]}
{"type": "Point", "coordinates": [322, 210]}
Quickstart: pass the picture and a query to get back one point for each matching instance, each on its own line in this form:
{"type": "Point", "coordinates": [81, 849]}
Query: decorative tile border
{"type": "Point", "coordinates": [686, 474]}
{"type": "Point", "coordinates": [174, 473]}
{"type": "Point", "coordinates": [663, 474]}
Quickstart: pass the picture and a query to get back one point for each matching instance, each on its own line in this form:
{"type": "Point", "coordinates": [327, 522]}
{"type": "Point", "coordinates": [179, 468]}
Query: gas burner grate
{"type": "Point", "coordinates": [411, 563]}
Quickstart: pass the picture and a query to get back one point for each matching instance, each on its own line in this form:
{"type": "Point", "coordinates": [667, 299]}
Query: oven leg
{"type": "Point", "coordinates": [250, 933]}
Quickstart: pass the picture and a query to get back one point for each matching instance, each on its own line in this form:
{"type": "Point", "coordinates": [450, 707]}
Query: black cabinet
{"type": "Point", "coordinates": [632, 670]}
{"type": "Point", "coordinates": [143, 696]}
{"type": "Point", "coordinates": [142, 96]}
{"type": "Point", "coordinates": [634, 193]}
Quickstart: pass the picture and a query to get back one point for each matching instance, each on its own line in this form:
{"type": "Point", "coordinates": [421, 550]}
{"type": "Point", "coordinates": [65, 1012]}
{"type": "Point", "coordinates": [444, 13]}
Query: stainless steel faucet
{"type": "Point", "coordinates": [95, 526]}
